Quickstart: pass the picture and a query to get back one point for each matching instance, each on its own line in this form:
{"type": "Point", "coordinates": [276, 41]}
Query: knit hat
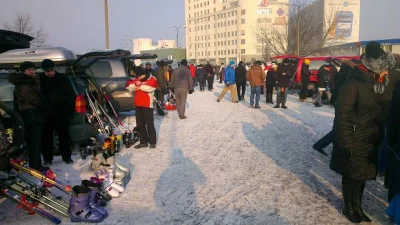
{"type": "Point", "coordinates": [26, 65]}
{"type": "Point", "coordinates": [307, 62]}
{"type": "Point", "coordinates": [48, 64]}
{"type": "Point", "coordinates": [231, 63]}
{"type": "Point", "coordinates": [373, 50]}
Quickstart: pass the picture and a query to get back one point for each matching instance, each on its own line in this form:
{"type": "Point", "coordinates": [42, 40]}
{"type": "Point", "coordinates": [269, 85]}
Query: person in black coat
{"type": "Point", "coordinates": [58, 91]}
{"type": "Point", "coordinates": [393, 159]}
{"type": "Point", "coordinates": [270, 82]}
{"type": "Point", "coordinates": [210, 76]}
{"type": "Point", "coordinates": [282, 85]}
{"type": "Point", "coordinates": [240, 73]}
{"type": "Point", "coordinates": [340, 79]}
{"type": "Point", "coordinates": [201, 77]}
{"type": "Point", "coordinates": [358, 117]}
{"type": "Point", "coordinates": [305, 80]}
{"type": "Point", "coordinates": [325, 73]}
{"type": "Point", "coordinates": [33, 108]}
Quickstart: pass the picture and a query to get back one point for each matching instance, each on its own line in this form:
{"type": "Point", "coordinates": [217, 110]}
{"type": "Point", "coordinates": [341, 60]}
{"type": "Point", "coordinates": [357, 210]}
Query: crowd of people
{"type": "Point", "coordinates": [365, 135]}
{"type": "Point", "coordinates": [365, 94]}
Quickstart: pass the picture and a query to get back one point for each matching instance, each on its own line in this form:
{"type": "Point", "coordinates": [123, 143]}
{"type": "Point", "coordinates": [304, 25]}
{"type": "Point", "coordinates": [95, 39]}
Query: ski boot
{"type": "Point", "coordinates": [125, 140]}
{"type": "Point", "coordinates": [119, 168]}
{"type": "Point", "coordinates": [94, 200]}
{"type": "Point", "coordinates": [109, 161]}
{"type": "Point", "coordinates": [101, 197]}
{"type": "Point", "coordinates": [110, 191]}
{"type": "Point", "coordinates": [112, 160]}
{"type": "Point", "coordinates": [79, 208]}
{"type": "Point", "coordinates": [108, 180]}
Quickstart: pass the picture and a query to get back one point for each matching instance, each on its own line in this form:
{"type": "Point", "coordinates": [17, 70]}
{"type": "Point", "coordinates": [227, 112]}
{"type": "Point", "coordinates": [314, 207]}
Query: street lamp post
{"type": "Point", "coordinates": [106, 23]}
{"type": "Point", "coordinates": [177, 33]}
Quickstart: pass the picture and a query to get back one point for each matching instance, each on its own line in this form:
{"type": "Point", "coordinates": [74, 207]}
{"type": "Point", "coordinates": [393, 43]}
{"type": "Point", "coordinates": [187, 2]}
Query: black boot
{"type": "Point", "coordinates": [358, 201]}
{"type": "Point", "coordinates": [348, 191]}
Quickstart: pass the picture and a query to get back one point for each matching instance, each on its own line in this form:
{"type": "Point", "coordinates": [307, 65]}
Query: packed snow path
{"type": "Point", "coordinates": [228, 164]}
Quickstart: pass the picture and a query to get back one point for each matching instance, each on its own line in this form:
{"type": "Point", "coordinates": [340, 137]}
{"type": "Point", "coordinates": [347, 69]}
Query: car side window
{"type": "Point", "coordinates": [102, 69]}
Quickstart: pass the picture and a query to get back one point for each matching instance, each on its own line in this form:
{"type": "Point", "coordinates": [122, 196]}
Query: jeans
{"type": "Point", "coordinates": [281, 96]}
{"type": "Point", "coordinates": [255, 91]}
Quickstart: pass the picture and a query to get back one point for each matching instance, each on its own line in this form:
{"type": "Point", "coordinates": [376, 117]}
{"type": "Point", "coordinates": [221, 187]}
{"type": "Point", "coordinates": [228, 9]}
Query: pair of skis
{"type": "Point", "coordinates": [28, 195]}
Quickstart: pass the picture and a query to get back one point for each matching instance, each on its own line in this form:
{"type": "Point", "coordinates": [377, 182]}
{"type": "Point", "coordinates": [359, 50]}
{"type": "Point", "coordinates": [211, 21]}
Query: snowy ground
{"type": "Point", "coordinates": [228, 164]}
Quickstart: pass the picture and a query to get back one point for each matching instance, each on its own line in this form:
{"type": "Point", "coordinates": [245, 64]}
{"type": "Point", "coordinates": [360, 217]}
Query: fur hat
{"type": "Point", "coordinates": [26, 65]}
{"type": "Point", "coordinates": [380, 64]}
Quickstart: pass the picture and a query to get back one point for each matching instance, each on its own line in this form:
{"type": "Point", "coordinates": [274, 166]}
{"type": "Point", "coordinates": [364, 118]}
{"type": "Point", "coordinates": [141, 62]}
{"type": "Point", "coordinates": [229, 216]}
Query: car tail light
{"type": "Point", "coordinates": [80, 104]}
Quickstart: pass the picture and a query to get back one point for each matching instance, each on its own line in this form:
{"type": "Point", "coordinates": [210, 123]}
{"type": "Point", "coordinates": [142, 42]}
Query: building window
{"type": "Point", "coordinates": [229, 23]}
{"type": "Point", "coordinates": [242, 32]}
{"type": "Point", "coordinates": [243, 41]}
{"type": "Point", "coordinates": [235, 33]}
{"type": "Point", "coordinates": [243, 51]}
{"type": "Point", "coordinates": [243, 12]}
{"type": "Point", "coordinates": [243, 21]}
{"type": "Point", "coordinates": [215, 52]}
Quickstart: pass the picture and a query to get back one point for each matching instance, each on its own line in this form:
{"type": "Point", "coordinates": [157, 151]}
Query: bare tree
{"type": "Point", "coordinates": [24, 24]}
{"type": "Point", "coordinates": [303, 30]}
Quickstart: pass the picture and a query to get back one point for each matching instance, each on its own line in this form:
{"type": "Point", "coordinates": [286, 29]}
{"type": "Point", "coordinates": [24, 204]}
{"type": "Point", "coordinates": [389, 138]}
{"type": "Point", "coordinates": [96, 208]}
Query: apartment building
{"type": "Point", "coordinates": [223, 30]}
{"type": "Point", "coordinates": [142, 44]}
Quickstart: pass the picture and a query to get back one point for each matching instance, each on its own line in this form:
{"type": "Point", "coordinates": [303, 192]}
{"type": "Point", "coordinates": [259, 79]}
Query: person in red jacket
{"type": "Point", "coordinates": [144, 86]}
{"type": "Point", "coordinates": [192, 69]}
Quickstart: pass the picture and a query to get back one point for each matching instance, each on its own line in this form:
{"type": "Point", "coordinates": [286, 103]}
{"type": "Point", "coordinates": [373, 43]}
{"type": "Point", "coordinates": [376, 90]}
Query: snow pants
{"type": "Point", "coordinates": [232, 88]}
{"type": "Point", "coordinates": [181, 96]}
{"type": "Point", "coordinates": [145, 125]}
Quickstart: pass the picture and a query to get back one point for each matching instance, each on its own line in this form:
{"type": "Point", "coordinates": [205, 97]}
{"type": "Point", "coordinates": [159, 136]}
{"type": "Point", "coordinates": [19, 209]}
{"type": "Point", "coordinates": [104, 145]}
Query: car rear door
{"type": "Point", "coordinates": [112, 76]}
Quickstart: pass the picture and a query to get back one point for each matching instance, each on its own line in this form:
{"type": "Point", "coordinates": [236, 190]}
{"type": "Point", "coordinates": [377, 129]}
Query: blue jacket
{"type": "Point", "coordinates": [229, 75]}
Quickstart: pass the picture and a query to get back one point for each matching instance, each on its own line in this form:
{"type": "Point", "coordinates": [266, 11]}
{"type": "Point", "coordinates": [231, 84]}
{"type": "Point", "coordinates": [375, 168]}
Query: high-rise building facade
{"type": "Point", "coordinates": [223, 30]}
{"type": "Point", "coordinates": [143, 44]}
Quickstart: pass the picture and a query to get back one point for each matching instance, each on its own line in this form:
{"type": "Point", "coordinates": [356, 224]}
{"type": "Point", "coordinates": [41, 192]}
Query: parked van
{"type": "Point", "coordinates": [315, 64]}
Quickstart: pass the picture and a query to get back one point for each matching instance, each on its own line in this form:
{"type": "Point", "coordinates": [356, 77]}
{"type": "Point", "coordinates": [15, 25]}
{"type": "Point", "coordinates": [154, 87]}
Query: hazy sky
{"type": "Point", "coordinates": [79, 24]}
